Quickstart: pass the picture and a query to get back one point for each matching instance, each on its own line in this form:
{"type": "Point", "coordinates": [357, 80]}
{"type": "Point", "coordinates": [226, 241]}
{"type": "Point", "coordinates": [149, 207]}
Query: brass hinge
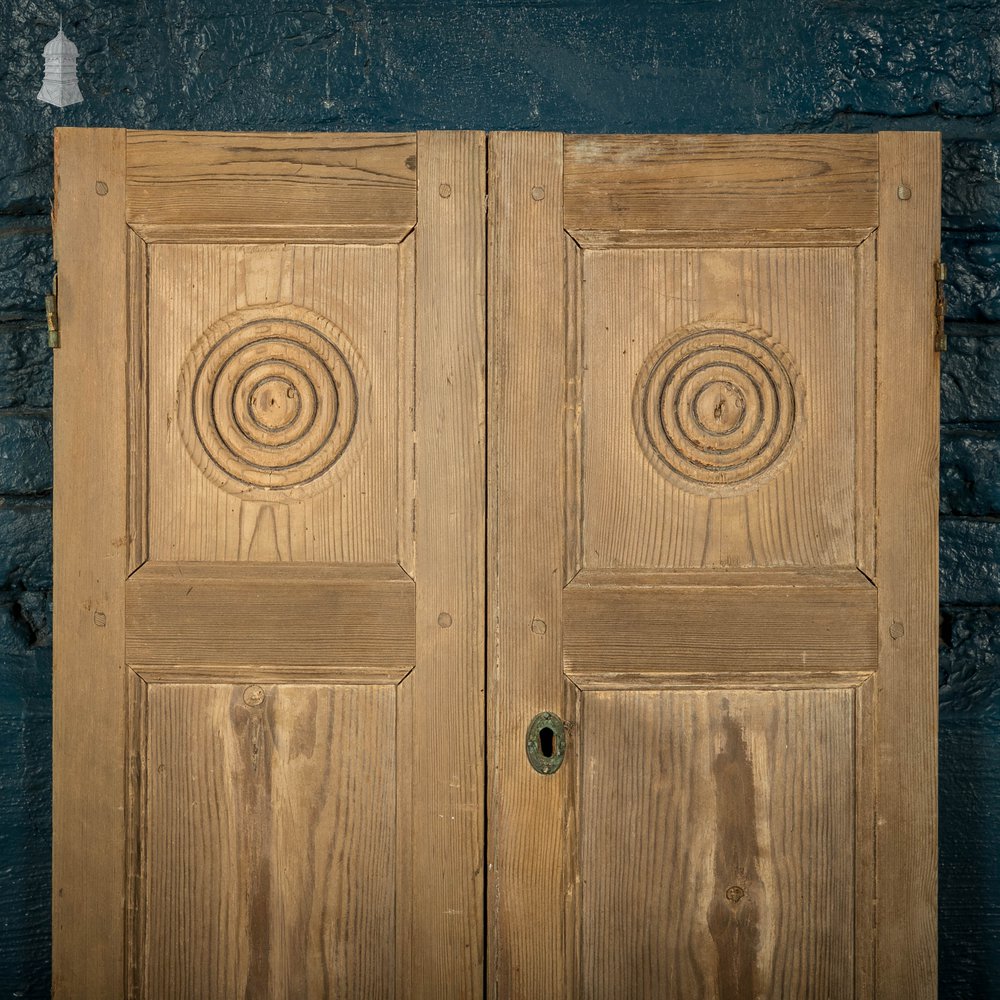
{"type": "Point", "coordinates": [940, 338]}
{"type": "Point", "coordinates": [52, 313]}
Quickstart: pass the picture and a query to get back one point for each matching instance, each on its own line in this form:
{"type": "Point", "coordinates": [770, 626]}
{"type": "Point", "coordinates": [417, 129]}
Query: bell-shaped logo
{"type": "Point", "coordinates": [60, 86]}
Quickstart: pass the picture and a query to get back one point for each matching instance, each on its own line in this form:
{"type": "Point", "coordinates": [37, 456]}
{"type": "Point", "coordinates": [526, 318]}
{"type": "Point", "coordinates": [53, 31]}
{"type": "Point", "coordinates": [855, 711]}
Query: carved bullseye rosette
{"type": "Point", "coordinates": [268, 399]}
{"type": "Point", "coordinates": [715, 407]}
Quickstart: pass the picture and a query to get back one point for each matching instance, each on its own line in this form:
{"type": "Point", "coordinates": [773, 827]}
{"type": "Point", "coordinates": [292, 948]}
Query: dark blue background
{"type": "Point", "coordinates": [572, 65]}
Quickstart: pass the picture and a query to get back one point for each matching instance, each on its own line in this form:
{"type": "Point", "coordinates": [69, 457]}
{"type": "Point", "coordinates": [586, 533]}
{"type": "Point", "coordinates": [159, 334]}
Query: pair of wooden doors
{"type": "Point", "coordinates": [529, 593]}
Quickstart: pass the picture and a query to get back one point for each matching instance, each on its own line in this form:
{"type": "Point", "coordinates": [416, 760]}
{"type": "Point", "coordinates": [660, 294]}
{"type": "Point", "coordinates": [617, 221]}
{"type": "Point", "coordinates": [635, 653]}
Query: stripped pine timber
{"type": "Point", "coordinates": [445, 701]}
{"type": "Point", "coordinates": [283, 615]}
{"type": "Point", "coordinates": [736, 628]}
{"type": "Point", "coordinates": [595, 239]}
{"type": "Point", "coordinates": [203, 295]}
{"type": "Point", "coordinates": [281, 531]}
{"type": "Point", "coordinates": [708, 680]}
{"type": "Point", "coordinates": [766, 777]}
{"type": "Point", "coordinates": [279, 812]}
{"type": "Point", "coordinates": [797, 310]}
{"type": "Point", "coordinates": [730, 734]}
{"type": "Point", "coordinates": [720, 182]}
{"type": "Point", "coordinates": [228, 186]}
{"type": "Point", "coordinates": [531, 888]}
{"type": "Point", "coordinates": [906, 567]}
{"type": "Point", "coordinates": [89, 555]}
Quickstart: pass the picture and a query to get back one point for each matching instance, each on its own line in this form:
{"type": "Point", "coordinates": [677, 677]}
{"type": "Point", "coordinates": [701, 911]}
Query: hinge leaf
{"type": "Point", "coordinates": [940, 337]}
{"type": "Point", "coordinates": [52, 312]}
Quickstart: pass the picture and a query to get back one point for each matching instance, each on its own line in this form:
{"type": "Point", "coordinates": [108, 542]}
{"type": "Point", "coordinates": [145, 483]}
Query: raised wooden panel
{"type": "Point", "coordinates": [274, 403]}
{"type": "Point", "coordinates": [717, 844]}
{"type": "Point", "coordinates": [278, 616]}
{"type": "Point", "coordinates": [745, 625]}
{"type": "Point", "coordinates": [211, 186]}
{"type": "Point", "coordinates": [719, 182]}
{"type": "Point", "coordinates": [719, 397]}
{"type": "Point", "coordinates": [267, 844]}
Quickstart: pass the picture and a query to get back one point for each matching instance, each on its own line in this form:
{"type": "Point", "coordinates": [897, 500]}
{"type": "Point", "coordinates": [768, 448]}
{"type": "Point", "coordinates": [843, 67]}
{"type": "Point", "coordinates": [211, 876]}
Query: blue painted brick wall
{"type": "Point", "coordinates": [573, 65]}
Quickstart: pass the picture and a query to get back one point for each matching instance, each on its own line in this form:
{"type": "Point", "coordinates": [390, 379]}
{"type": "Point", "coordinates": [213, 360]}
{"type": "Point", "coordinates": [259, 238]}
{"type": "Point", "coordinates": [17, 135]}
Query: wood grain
{"type": "Point", "coordinates": [799, 509]}
{"type": "Point", "coordinates": [717, 680]}
{"type": "Point", "coordinates": [722, 628]}
{"type": "Point", "coordinates": [720, 182]}
{"type": "Point", "coordinates": [137, 394]}
{"type": "Point", "coordinates": [717, 843]}
{"type": "Point", "coordinates": [604, 239]}
{"type": "Point", "coordinates": [446, 698]}
{"type": "Point", "coordinates": [530, 845]}
{"type": "Point", "coordinates": [281, 185]}
{"type": "Point", "coordinates": [906, 567]}
{"type": "Point", "coordinates": [89, 555]}
{"type": "Point", "coordinates": [281, 616]}
{"type": "Point", "coordinates": [348, 297]}
{"type": "Point", "coordinates": [865, 266]}
{"type": "Point", "coordinates": [268, 868]}
{"type": "Point", "coordinates": [355, 234]}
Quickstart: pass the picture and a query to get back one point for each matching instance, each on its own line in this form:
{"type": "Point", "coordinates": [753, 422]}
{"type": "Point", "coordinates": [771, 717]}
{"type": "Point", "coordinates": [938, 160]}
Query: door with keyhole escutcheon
{"type": "Point", "coordinates": [590, 658]}
{"type": "Point", "coordinates": [713, 459]}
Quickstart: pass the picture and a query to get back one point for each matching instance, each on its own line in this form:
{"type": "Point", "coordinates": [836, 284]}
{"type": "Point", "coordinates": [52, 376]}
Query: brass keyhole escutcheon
{"type": "Point", "coordinates": [545, 742]}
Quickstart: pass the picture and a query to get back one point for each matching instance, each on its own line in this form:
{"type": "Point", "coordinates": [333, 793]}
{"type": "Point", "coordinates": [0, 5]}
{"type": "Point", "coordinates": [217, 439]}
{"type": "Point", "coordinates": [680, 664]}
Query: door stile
{"type": "Point", "coordinates": [90, 560]}
{"type": "Point", "coordinates": [447, 709]}
{"type": "Point", "coordinates": [906, 565]}
{"type": "Point", "coordinates": [530, 881]}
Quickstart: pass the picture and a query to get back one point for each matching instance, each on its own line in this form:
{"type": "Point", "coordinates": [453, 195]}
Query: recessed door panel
{"type": "Point", "coordinates": [717, 842]}
{"type": "Point", "coordinates": [741, 371]}
{"type": "Point", "coordinates": [269, 826]}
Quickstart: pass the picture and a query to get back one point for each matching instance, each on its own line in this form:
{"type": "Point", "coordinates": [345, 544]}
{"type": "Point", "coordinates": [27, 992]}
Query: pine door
{"type": "Point", "coordinates": [619, 620]}
{"type": "Point", "coordinates": [270, 565]}
{"type": "Point", "coordinates": [713, 457]}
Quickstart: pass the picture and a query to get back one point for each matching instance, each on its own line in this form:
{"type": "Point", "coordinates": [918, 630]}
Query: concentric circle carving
{"type": "Point", "coordinates": [268, 399]}
{"type": "Point", "coordinates": [716, 407]}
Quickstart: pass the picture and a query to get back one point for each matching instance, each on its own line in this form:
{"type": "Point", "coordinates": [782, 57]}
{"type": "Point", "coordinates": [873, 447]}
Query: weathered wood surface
{"type": "Point", "coordinates": [720, 182]}
{"type": "Point", "coordinates": [906, 566]}
{"type": "Point", "coordinates": [530, 847]}
{"type": "Point", "coordinates": [232, 186]}
{"type": "Point", "coordinates": [89, 559]}
{"type": "Point", "coordinates": [282, 616]}
{"type": "Point", "coordinates": [748, 627]}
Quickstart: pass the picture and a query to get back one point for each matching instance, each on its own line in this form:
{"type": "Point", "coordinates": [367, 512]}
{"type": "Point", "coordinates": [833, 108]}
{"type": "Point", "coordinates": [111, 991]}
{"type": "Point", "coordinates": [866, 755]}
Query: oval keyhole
{"type": "Point", "coordinates": [545, 742]}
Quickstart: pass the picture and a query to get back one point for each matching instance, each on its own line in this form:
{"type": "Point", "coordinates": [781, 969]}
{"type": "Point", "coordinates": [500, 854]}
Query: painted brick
{"type": "Point", "coordinates": [25, 545]}
{"type": "Point", "coordinates": [929, 59]}
{"type": "Point", "coordinates": [969, 557]}
{"type": "Point", "coordinates": [25, 365]}
{"type": "Point", "coordinates": [969, 875]}
{"type": "Point", "coordinates": [969, 663]}
{"type": "Point", "coordinates": [25, 666]}
{"type": "Point", "coordinates": [972, 289]}
{"type": "Point", "coordinates": [33, 608]}
{"type": "Point", "coordinates": [970, 379]}
{"type": "Point", "coordinates": [970, 185]}
{"type": "Point", "coordinates": [25, 264]}
{"type": "Point", "coordinates": [970, 472]}
{"type": "Point", "coordinates": [25, 849]}
{"type": "Point", "coordinates": [25, 453]}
